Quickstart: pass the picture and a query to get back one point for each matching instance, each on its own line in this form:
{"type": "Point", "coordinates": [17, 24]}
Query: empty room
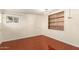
{"type": "Point", "coordinates": [39, 29]}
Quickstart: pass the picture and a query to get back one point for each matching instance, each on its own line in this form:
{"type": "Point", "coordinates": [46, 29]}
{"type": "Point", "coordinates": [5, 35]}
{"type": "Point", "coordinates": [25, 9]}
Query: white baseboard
{"type": "Point", "coordinates": [0, 42]}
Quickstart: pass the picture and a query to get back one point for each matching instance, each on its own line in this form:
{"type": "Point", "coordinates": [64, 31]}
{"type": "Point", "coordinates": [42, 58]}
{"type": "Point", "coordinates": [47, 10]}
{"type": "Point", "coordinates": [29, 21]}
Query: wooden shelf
{"type": "Point", "coordinates": [56, 27]}
{"type": "Point", "coordinates": [56, 21]}
{"type": "Point", "coordinates": [56, 17]}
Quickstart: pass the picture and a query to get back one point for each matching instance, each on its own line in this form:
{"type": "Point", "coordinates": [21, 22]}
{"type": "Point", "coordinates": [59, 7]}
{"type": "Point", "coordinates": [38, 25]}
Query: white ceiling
{"type": "Point", "coordinates": [27, 11]}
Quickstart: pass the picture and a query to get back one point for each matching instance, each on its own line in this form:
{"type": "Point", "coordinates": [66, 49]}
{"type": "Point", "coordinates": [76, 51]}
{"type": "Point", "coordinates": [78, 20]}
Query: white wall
{"type": "Point", "coordinates": [1, 36]}
{"type": "Point", "coordinates": [71, 28]}
{"type": "Point", "coordinates": [25, 28]}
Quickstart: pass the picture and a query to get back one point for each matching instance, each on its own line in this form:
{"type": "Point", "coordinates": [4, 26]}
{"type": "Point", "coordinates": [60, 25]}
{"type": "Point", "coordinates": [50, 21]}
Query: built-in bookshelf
{"type": "Point", "coordinates": [56, 21]}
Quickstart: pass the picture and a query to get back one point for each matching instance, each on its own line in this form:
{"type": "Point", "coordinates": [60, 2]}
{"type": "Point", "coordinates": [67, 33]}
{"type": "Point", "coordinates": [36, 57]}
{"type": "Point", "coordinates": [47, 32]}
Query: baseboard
{"type": "Point", "coordinates": [0, 42]}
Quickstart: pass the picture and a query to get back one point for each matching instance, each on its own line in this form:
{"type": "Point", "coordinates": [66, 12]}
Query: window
{"type": "Point", "coordinates": [11, 19]}
{"type": "Point", "coordinates": [56, 21]}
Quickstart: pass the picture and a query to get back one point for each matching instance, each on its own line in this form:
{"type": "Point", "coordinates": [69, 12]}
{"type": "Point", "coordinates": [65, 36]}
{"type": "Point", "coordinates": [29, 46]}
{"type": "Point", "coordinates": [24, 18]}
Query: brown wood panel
{"type": "Point", "coordinates": [55, 21]}
{"type": "Point", "coordinates": [40, 42]}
